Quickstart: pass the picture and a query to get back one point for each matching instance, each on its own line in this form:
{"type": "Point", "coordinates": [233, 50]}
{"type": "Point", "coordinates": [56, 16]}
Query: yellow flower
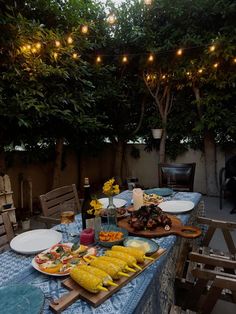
{"type": "Point", "coordinates": [110, 189]}
{"type": "Point", "coordinates": [97, 206]}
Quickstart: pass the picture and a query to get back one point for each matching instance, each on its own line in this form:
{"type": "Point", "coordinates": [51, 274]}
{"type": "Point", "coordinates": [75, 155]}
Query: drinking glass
{"type": "Point", "coordinates": [68, 211]}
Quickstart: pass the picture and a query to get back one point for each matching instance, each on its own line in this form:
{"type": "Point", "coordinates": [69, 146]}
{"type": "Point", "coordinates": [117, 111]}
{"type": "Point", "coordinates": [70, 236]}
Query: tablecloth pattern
{"type": "Point", "coordinates": [150, 292]}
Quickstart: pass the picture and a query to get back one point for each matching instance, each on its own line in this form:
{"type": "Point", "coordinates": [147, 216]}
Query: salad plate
{"type": "Point", "coordinates": [35, 241]}
{"type": "Point", "coordinates": [61, 258]}
{"type": "Point", "coordinates": [176, 206]}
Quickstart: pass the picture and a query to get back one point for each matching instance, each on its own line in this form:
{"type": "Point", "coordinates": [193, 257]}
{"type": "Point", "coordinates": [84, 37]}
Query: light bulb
{"type": "Point", "coordinates": [124, 59]}
{"type": "Point", "coordinates": [215, 65]}
{"type": "Point", "coordinates": [69, 40]}
{"type": "Point", "coordinates": [38, 45]}
{"type": "Point", "coordinates": [84, 29]}
{"type": "Point", "coordinates": [57, 43]}
{"type": "Point", "coordinates": [200, 70]}
{"type": "Point", "coordinates": [75, 55]}
{"type": "Point", "coordinates": [28, 46]}
{"type": "Point", "coordinates": [148, 2]}
{"type": "Point", "coordinates": [33, 50]}
{"type": "Point", "coordinates": [163, 77]}
{"type": "Point", "coordinates": [150, 58]}
{"type": "Point", "coordinates": [55, 55]}
{"type": "Point", "coordinates": [234, 60]}
{"type": "Point", "coordinates": [212, 48]}
{"type": "Point", "coordinates": [98, 59]}
{"type": "Point", "coordinates": [179, 52]}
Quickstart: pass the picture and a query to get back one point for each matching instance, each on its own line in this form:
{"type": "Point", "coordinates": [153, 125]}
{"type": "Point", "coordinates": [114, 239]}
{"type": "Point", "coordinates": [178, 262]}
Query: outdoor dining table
{"type": "Point", "coordinates": [150, 292]}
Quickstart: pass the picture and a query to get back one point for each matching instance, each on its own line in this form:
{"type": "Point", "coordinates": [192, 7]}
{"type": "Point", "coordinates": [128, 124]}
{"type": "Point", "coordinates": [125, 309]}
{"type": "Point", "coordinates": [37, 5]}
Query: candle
{"type": "Point", "coordinates": [137, 198]}
{"type": "Point", "coordinates": [87, 236]}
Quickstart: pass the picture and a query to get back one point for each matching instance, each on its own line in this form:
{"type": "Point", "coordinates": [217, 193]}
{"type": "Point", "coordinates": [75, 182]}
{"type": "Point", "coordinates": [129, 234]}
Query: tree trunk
{"type": "Point", "coordinates": [57, 165]}
{"type": "Point", "coordinates": [162, 150]}
{"type": "Point", "coordinates": [210, 164]}
{"type": "Point", "coordinates": [209, 152]}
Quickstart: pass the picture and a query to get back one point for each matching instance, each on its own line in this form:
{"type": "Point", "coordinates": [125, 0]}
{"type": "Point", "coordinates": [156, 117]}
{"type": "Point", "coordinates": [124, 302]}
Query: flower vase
{"type": "Point", "coordinates": [111, 212]}
{"type": "Point", "coordinates": [97, 227]}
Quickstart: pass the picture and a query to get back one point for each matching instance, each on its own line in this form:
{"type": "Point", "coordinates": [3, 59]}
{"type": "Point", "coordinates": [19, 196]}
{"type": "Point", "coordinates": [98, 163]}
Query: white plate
{"type": "Point", "coordinates": [118, 202]}
{"type": "Point", "coordinates": [176, 207]}
{"type": "Point", "coordinates": [35, 265]}
{"type": "Point", "coordinates": [35, 241]}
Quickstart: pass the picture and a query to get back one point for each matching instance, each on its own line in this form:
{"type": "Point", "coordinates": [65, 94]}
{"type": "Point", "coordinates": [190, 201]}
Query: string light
{"type": "Point", "coordinates": [33, 50]}
{"type": "Point", "coordinates": [234, 60]}
{"type": "Point", "coordinates": [75, 56]}
{"type": "Point", "coordinates": [38, 45]}
{"type": "Point", "coordinates": [124, 59]}
{"type": "Point", "coordinates": [55, 55]}
{"type": "Point", "coordinates": [150, 58]}
{"type": "Point", "coordinates": [212, 48]}
{"type": "Point", "coordinates": [28, 46]}
{"type": "Point", "coordinates": [111, 19]}
{"type": "Point", "coordinates": [57, 43]}
{"type": "Point", "coordinates": [216, 65]}
{"type": "Point", "coordinates": [148, 2]}
{"type": "Point", "coordinates": [70, 40]}
{"type": "Point", "coordinates": [163, 77]}
{"type": "Point", "coordinates": [98, 59]}
{"type": "Point", "coordinates": [84, 29]}
{"type": "Point", "coordinates": [200, 70]}
{"type": "Point", "coordinates": [179, 52]}
{"type": "Point", "coordinates": [23, 48]}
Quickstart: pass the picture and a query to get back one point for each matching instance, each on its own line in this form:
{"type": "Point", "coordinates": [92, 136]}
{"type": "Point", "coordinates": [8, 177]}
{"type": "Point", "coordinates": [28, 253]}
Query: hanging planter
{"type": "Point", "coordinates": [157, 133]}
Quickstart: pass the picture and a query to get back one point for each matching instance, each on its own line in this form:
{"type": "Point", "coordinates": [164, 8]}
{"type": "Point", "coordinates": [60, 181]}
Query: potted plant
{"type": "Point", "coordinates": [156, 126]}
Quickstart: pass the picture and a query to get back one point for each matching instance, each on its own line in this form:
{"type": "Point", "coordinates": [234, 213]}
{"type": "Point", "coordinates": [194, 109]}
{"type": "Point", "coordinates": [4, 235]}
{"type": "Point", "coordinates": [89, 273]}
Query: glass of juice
{"type": "Point", "coordinates": [68, 210]}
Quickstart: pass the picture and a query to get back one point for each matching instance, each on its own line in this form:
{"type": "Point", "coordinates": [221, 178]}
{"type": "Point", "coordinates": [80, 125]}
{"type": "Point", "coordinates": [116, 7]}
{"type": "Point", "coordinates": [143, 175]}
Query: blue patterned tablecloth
{"type": "Point", "coordinates": [147, 293]}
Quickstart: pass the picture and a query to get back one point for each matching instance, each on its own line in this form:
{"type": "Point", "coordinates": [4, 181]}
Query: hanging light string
{"type": "Point", "coordinates": [35, 48]}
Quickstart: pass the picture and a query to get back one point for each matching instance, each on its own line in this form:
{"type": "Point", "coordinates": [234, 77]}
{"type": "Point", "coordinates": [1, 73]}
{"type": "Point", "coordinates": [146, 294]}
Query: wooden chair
{"type": "Point", "coordinates": [51, 201]}
{"type": "Point", "coordinates": [179, 177]}
{"type": "Point", "coordinates": [204, 264]}
{"type": "Point", "coordinates": [6, 231]}
{"type": "Point", "coordinates": [214, 292]}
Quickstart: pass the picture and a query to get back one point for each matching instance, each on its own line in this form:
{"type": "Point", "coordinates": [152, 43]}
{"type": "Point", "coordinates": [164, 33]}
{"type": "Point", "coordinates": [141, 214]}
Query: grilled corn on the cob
{"type": "Point", "coordinates": [113, 270]}
{"type": "Point", "coordinates": [129, 259]}
{"type": "Point", "coordinates": [122, 264]}
{"type": "Point", "coordinates": [87, 281]}
{"type": "Point", "coordinates": [137, 253]}
{"type": "Point", "coordinates": [106, 279]}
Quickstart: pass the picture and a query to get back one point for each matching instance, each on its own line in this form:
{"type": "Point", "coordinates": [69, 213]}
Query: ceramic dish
{"type": "Point", "coordinates": [21, 299]}
{"type": "Point", "coordinates": [113, 228]}
{"type": "Point", "coordinates": [118, 202]}
{"type": "Point", "coordinates": [120, 214]}
{"type": "Point", "coordinates": [36, 266]}
{"type": "Point", "coordinates": [35, 241]}
{"type": "Point", "coordinates": [149, 246]}
{"type": "Point", "coordinates": [176, 207]}
{"type": "Point", "coordinates": [160, 191]}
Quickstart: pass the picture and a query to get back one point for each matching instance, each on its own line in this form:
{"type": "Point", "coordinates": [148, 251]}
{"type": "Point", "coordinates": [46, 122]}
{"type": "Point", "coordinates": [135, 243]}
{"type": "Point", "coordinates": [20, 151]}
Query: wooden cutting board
{"type": "Point", "coordinates": [177, 228]}
{"type": "Point", "coordinates": [96, 299]}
